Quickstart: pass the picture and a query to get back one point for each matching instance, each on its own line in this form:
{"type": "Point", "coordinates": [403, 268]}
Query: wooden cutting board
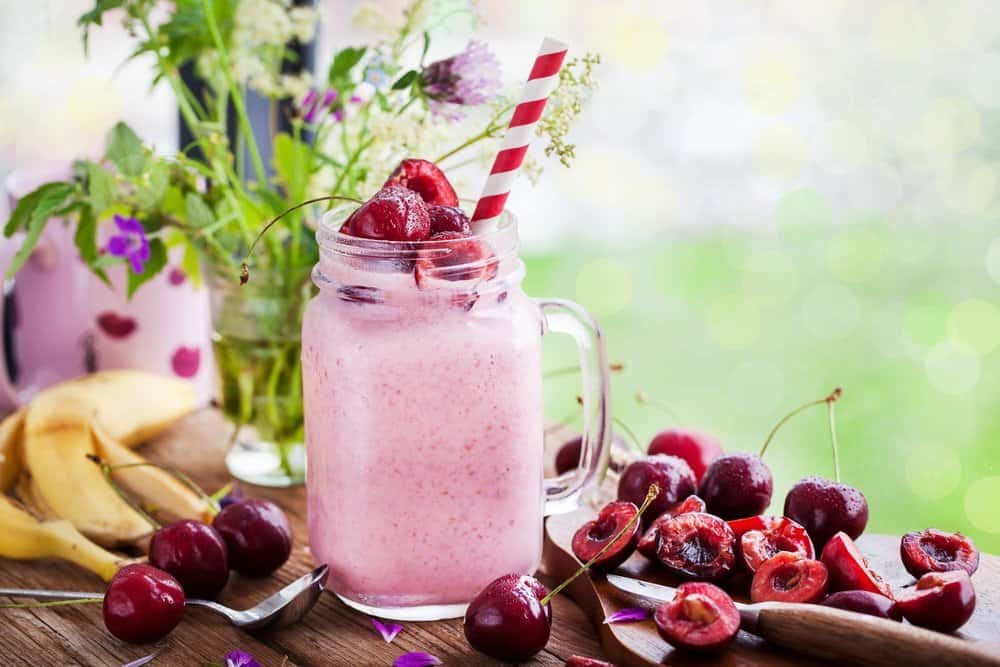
{"type": "Point", "coordinates": [638, 644]}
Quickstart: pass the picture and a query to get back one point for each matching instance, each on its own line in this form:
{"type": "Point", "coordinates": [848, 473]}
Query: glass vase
{"type": "Point", "coordinates": [257, 339]}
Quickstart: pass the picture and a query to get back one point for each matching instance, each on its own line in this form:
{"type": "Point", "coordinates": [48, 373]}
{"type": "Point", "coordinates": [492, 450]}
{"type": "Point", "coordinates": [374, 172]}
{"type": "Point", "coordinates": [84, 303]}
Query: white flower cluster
{"type": "Point", "coordinates": [262, 30]}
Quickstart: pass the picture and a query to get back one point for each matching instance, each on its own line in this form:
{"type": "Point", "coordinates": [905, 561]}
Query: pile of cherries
{"type": "Point", "coordinates": [706, 527]}
{"type": "Point", "coordinates": [418, 203]}
{"type": "Point", "coordinates": [145, 602]}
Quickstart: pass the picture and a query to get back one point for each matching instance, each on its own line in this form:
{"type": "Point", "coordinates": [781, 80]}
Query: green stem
{"type": "Point", "coordinates": [570, 370]}
{"type": "Point", "coordinates": [106, 469]}
{"type": "Point", "coordinates": [491, 127]}
{"type": "Point", "coordinates": [234, 92]}
{"type": "Point", "coordinates": [54, 603]}
{"type": "Point", "coordinates": [654, 490]}
{"type": "Point", "coordinates": [834, 395]}
{"type": "Point", "coordinates": [641, 397]}
{"type": "Point", "coordinates": [181, 477]}
{"type": "Point", "coordinates": [631, 434]}
{"type": "Point", "coordinates": [833, 436]}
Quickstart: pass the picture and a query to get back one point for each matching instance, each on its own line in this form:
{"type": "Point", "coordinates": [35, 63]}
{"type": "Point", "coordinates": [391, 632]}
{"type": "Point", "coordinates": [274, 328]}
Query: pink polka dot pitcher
{"type": "Point", "coordinates": [60, 321]}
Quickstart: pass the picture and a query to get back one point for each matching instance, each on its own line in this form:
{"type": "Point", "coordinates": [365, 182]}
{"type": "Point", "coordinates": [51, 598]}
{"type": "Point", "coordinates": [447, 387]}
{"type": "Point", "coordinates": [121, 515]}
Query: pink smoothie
{"type": "Point", "coordinates": [424, 431]}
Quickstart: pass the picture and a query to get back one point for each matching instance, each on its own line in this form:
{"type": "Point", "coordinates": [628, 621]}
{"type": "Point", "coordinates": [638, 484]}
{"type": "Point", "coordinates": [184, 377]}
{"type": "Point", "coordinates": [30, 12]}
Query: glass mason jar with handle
{"type": "Point", "coordinates": [422, 378]}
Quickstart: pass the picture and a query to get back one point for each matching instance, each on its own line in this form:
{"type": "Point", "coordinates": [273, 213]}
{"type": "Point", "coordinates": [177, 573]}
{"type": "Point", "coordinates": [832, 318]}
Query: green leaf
{"type": "Point", "coordinates": [100, 187]}
{"type": "Point", "coordinates": [427, 45]}
{"type": "Point", "coordinates": [187, 30]}
{"type": "Point", "coordinates": [86, 241]}
{"type": "Point", "coordinates": [42, 203]}
{"type": "Point", "coordinates": [343, 63]}
{"type": "Point", "coordinates": [153, 186]}
{"type": "Point", "coordinates": [125, 150]}
{"type": "Point", "coordinates": [191, 264]}
{"type": "Point", "coordinates": [157, 260]}
{"type": "Point", "coordinates": [95, 17]}
{"type": "Point", "coordinates": [197, 212]}
{"type": "Point", "coordinates": [405, 81]}
{"type": "Point", "coordinates": [291, 164]}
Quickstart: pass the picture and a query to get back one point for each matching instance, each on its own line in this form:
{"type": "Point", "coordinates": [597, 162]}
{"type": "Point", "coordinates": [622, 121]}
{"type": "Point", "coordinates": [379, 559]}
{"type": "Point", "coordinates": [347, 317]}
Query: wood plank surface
{"type": "Point", "coordinates": [332, 634]}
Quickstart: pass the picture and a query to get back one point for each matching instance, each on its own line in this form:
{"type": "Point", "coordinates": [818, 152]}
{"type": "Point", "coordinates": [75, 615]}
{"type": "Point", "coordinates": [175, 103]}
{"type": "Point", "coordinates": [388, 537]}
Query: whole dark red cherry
{"type": "Point", "coordinates": [942, 601]}
{"type": "Point", "coordinates": [864, 602]}
{"type": "Point", "coordinates": [426, 179]}
{"type": "Point", "coordinates": [142, 604]}
{"type": "Point", "coordinates": [649, 543]}
{"type": "Point", "coordinates": [507, 620]}
{"type": "Point", "coordinates": [848, 569]}
{"type": "Point", "coordinates": [757, 546]}
{"type": "Point", "coordinates": [672, 474]}
{"type": "Point", "coordinates": [257, 534]}
{"type": "Point", "coordinates": [825, 508]}
{"type": "Point", "coordinates": [195, 554]}
{"type": "Point", "coordinates": [701, 618]}
{"type": "Point", "coordinates": [392, 214]}
{"type": "Point", "coordinates": [737, 485]}
{"type": "Point", "coordinates": [697, 546]}
{"type": "Point", "coordinates": [568, 456]}
{"type": "Point", "coordinates": [449, 219]}
{"type": "Point", "coordinates": [934, 550]}
{"type": "Point", "coordinates": [595, 535]}
{"type": "Point", "coordinates": [789, 577]}
{"type": "Point", "coordinates": [697, 448]}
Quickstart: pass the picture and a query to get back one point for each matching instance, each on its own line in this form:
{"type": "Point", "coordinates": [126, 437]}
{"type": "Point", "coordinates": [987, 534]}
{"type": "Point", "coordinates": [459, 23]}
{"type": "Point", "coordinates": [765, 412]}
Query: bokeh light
{"type": "Point", "coordinates": [933, 473]}
{"type": "Point", "coordinates": [771, 82]}
{"type": "Point", "coordinates": [975, 323]}
{"type": "Point", "coordinates": [981, 502]}
{"type": "Point", "coordinates": [604, 286]}
{"type": "Point", "coordinates": [952, 368]}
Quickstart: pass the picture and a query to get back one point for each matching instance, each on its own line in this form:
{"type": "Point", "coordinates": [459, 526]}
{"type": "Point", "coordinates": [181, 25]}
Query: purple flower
{"type": "Point", "coordinates": [312, 105]}
{"type": "Point", "coordinates": [130, 242]}
{"type": "Point", "coordinates": [234, 496]}
{"type": "Point", "coordinates": [387, 630]}
{"type": "Point", "coordinates": [416, 659]}
{"type": "Point", "coordinates": [469, 78]}
{"type": "Point", "coordinates": [628, 614]}
{"type": "Point", "coordinates": [240, 658]}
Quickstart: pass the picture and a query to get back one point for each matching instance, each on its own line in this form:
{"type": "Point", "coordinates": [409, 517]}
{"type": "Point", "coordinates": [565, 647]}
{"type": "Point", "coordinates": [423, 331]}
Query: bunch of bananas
{"type": "Point", "coordinates": [68, 508]}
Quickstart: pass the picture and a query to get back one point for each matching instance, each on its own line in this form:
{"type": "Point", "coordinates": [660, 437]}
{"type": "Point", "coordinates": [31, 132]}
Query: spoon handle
{"type": "Point", "coordinates": [49, 595]}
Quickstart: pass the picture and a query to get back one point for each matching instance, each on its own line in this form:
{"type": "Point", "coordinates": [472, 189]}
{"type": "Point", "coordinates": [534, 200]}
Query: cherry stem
{"type": "Point", "coordinates": [569, 370]}
{"type": "Point", "coordinates": [54, 603]}
{"type": "Point", "coordinates": [651, 494]}
{"type": "Point", "coordinates": [830, 400]}
{"type": "Point", "coordinates": [833, 437]}
{"type": "Point", "coordinates": [245, 266]}
{"type": "Point", "coordinates": [106, 469]}
{"type": "Point", "coordinates": [624, 427]}
{"type": "Point", "coordinates": [210, 501]}
{"type": "Point", "coordinates": [640, 397]}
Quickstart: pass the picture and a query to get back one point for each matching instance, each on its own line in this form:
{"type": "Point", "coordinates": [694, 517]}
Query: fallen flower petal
{"type": "Point", "coordinates": [629, 614]}
{"type": "Point", "coordinates": [416, 659]}
{"type": "Point", "coordinates": [144, 660]}
{"type": "Point", "coordinates": [239, 658]}
{"type": "Point", "coordinates": [387, 630]}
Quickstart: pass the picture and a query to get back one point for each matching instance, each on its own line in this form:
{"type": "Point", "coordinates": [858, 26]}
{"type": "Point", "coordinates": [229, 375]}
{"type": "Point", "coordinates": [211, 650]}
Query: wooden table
{"type": "Point", "coordinates": [332, 634]}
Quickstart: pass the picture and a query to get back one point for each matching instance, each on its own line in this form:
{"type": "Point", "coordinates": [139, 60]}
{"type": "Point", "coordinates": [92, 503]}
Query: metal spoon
{"type": "Point", "coordinates": [285, 607]}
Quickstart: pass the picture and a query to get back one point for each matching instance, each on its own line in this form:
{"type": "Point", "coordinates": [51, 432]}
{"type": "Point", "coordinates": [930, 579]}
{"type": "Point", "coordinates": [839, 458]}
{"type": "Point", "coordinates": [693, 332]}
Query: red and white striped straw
{"type": "Point", "coordinates": [542, 81]}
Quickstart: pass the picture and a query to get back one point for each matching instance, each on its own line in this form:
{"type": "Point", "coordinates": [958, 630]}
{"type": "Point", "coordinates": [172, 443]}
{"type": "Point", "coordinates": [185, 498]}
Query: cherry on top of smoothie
{"type": "Point", "coordinates": [427, 180]}
{"type": "Point", "coordinates": [394, 213]}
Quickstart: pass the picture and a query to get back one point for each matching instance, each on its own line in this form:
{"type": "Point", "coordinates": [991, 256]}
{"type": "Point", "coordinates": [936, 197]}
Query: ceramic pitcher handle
{"type": "Point", "coordinates": [562, 494]}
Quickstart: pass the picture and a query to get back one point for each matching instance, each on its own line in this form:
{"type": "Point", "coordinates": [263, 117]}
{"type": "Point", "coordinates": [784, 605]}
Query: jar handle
{"type": "Point", "coordinates": [562, 494]}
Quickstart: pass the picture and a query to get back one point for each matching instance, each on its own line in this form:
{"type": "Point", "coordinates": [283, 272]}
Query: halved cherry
{"type": "Point", "coordinates": [756, 546]}
{"type": "Point", "coordinates": [697, 546]}
{"type": "Point", "coordinates": [789, 577]}
{"type": "Point", "coordinates": [701, 617]}
{"type": "Point", "coordinates": [864, 602]}
{"type": "Point", "coordinates": [934, 550]}
{"type": "Point", "coordinates": [583, 661]}
{"type": "Point", "coordinates": [942, 601]}
{"type": "Point", "coordinates": [849, 571]}
{"type": "Point", "coordinates": [650, 540]}
{"type": "Point", "coordinates": [426, 179]}
{"type": "Point", "coordinates": [758, 522]}
{"type": "Point", "coordinates": [594, 535]}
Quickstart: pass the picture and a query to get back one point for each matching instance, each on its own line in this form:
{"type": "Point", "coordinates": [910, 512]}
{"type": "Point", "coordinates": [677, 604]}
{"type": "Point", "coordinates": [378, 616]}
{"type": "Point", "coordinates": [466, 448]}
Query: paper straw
{"type": "Point", "coordinates": [542, 81]}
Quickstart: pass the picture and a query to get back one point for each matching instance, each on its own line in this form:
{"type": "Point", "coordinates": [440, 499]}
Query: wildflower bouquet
{"type": "Point", "coordinates": [371, 106]}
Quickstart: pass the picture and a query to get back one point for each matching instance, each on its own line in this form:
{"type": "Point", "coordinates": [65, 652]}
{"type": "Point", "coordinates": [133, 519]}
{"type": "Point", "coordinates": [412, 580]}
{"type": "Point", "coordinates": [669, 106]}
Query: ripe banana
{"type": "Point", "coordinates": [10, 449]}
{"type": "Point", "coordinates": [55, 446]}
{"type": "Point", "coordinates": [130, 406]}
{"type": "Point", "coordinates": [161, 492]}
{"type": "Point", "coordinates": [24, 537]}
